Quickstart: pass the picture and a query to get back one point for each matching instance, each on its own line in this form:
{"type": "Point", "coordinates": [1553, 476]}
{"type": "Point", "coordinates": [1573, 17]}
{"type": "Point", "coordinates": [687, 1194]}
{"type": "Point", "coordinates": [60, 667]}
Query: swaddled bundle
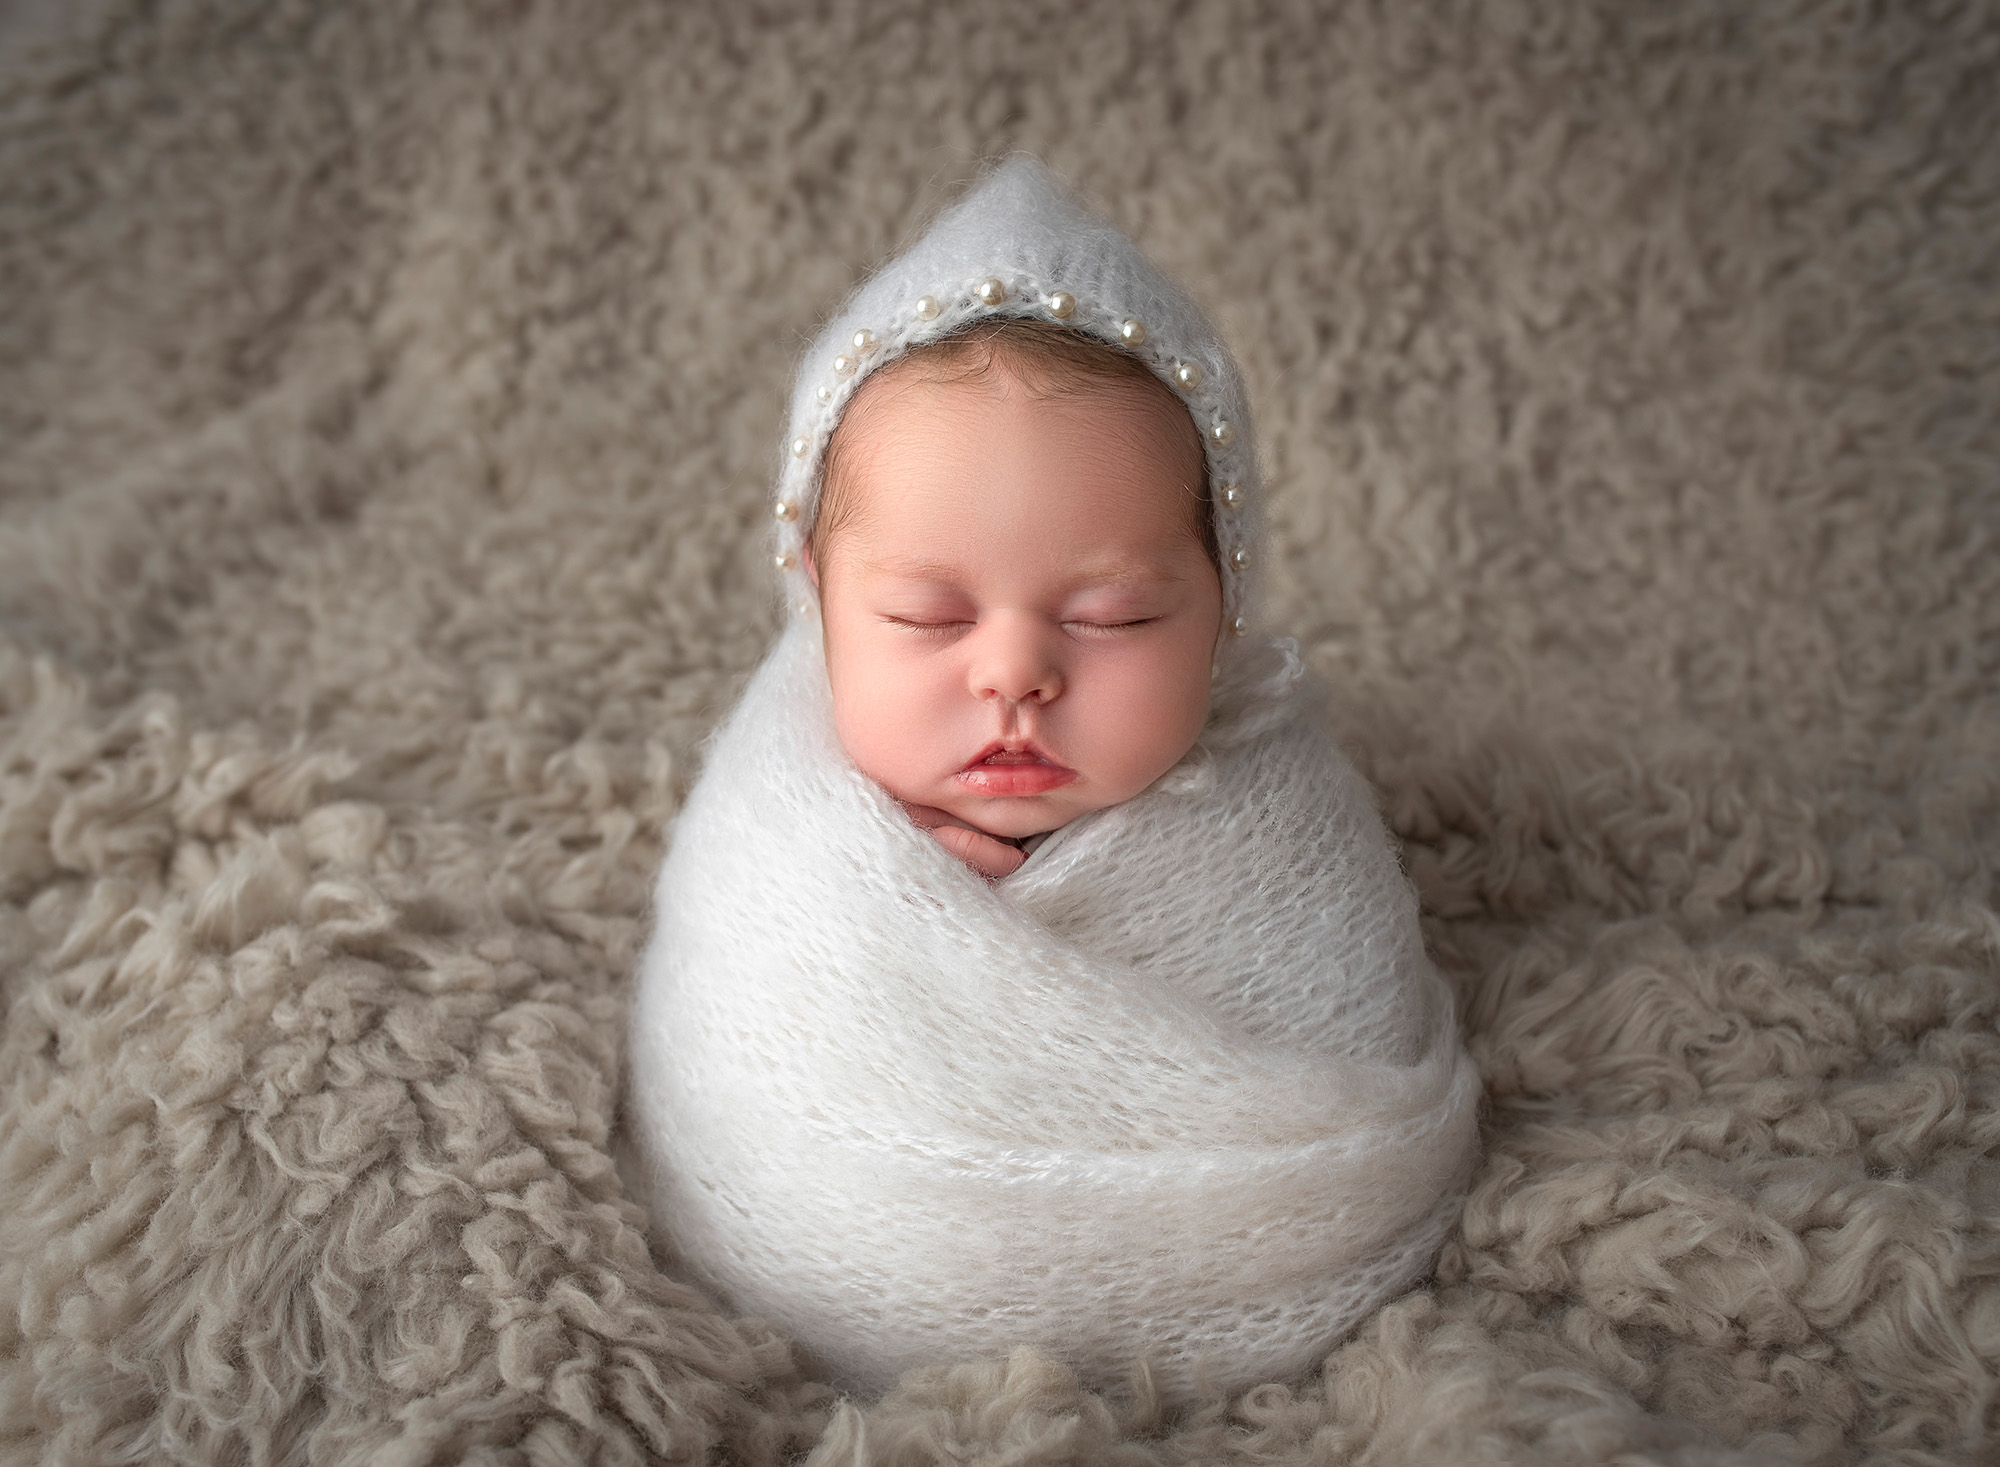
{"type": "Point", "coordinates": [1183, 1089]}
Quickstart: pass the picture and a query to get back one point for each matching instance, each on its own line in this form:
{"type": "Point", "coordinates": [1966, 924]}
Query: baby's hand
{"type": "Point", "coordinates": [989, 857]}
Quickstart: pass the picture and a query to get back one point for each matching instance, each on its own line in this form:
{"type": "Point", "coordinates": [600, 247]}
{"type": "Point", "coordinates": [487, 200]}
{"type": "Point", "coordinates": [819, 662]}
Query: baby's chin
{"type": "Point", "coordinates": [1014, 816]}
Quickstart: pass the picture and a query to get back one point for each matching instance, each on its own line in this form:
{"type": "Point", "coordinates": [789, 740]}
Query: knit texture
{"type": "Point", "coordinates": [1182, 1094]}
{"type": "Point", "coordinates": [390, 397]}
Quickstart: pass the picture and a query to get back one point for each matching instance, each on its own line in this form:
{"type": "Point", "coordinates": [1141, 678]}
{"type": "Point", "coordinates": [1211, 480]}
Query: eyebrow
{"type": "Point", "coordinates": [1106, 573]}
{"type": "Point", "coordinates": [910, 568]}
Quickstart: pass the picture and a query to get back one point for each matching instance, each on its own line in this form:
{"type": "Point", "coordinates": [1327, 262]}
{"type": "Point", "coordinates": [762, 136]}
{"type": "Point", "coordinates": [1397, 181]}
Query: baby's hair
{"type": "Point", "coordinates": [1046, 359]}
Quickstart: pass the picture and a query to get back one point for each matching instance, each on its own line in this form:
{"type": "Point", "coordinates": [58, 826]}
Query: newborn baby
{"type": "Point", "coordinates": [1019, 583]}
{"type": "Point", "coordinates": [1029, 967]}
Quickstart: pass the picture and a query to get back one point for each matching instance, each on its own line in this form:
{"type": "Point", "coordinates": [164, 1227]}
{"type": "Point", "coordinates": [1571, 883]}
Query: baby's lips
{"type": "Point", "coordinates": [1002, 780]}
{"type": "Point", "coordinates": [1012, 751]}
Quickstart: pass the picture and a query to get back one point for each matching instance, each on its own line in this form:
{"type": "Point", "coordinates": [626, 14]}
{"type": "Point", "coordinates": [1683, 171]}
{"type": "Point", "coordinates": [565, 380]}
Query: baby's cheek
{"type": "Point", "coordinates": [887, 717]}
{"type": "Point", "coordinates": [1146, 716]}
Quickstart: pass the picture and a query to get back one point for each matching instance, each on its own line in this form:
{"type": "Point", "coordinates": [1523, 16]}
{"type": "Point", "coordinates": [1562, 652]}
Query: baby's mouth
{"type": "Point", "coordinates": [1020, 769]}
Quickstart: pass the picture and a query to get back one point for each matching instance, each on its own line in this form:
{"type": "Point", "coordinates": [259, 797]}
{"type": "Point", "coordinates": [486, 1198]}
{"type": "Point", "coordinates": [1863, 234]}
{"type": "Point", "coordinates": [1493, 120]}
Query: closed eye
{"type": "Point", "coordinates": [930, 628]}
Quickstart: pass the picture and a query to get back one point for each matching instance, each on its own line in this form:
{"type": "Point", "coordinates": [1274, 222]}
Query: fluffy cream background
{"type": "Point", "coordinates": [388, 394]}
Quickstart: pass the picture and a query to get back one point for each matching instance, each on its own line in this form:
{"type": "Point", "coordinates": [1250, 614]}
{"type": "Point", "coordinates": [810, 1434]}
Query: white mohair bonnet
{"type": "Point", "coordinates": [1018, 246]}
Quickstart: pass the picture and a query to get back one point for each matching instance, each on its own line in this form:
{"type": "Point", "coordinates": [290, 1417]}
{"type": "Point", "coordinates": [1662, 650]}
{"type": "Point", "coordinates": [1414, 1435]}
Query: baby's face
{"type": "Point", "coordinates": [1019, 617]}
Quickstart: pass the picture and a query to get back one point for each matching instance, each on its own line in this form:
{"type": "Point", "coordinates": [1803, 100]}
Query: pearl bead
{"type": "Point", "coordinates": [805, 608]}
{"type": "Point", "coordinates": [1240, 559]}
{"type": "Point", "coordinates": [1241, 626]}
{"type": "Point", "coordinates": [845, 364]}
{"type": "Point", "coordinates": [927, 308]}
{"type": "Point", "coordinates": [824, 394]}
{"type": "Point", "coordinates": [991, 292]}
{"type": "Point", "coordinates": [1188, 375]}
{"type": "Point", "coordinates": [864, 339]}
{"type": "Point", "coordinates": [1062, 305]}
{"type": "Point", "coordinates": [1132, 333]}
{"type": "Point", "coordinates": [801, 446]}
{"type": "Point", "coordinates": [1223, 434]}
{"type": "Point", "coordinates": [1232, 497]}
{"type": "Point", "coordinates": [785, 559]}
{"type": "Point", "coordinates": [785, 510]}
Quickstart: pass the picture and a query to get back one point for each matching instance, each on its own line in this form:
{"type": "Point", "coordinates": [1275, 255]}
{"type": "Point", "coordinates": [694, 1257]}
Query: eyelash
{"type": "Point", "coordinates": [1099, 628]}
{"type": "Point", "coordinates": [929, 628]}
{"type": "Point", "coordinates": [1096, 628]}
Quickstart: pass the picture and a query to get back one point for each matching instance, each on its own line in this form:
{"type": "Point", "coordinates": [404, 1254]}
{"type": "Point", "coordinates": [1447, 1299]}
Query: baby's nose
{"type": "Point", "coordinates": [1015, 658]}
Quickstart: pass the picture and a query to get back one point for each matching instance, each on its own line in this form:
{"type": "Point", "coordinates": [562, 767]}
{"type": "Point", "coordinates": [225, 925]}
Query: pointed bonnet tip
{"type": "Point", "coordinates": [1023, 186]}
{"type": "Point", "coordinates": [1026, 172]}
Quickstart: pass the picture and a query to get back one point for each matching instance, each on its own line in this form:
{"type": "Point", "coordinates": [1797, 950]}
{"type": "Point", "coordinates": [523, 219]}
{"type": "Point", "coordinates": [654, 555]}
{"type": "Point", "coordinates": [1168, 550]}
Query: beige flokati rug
{"type": "Point", "coordinates": [387, 393]}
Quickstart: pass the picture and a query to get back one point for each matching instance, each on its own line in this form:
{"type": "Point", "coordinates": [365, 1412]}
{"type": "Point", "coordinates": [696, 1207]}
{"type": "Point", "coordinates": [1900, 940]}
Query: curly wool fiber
{"type": "Point", "coordinates": [379, 384]}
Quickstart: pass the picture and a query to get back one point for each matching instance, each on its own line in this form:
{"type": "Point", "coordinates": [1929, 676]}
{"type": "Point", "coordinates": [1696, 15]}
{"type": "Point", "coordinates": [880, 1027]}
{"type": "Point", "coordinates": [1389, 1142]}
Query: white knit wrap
{"type": "Point", "coordinates": [1183, 1089]}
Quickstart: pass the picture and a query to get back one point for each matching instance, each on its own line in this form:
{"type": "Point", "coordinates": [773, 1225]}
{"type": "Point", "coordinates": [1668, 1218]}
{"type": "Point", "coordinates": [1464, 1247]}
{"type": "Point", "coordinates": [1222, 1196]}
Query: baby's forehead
{"type": "Point", "coordinates": [914, 400]}
{"type": "Point", "coordinates": [946, 436]}
{"type": "Point", "coordinates": [950, 421]}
